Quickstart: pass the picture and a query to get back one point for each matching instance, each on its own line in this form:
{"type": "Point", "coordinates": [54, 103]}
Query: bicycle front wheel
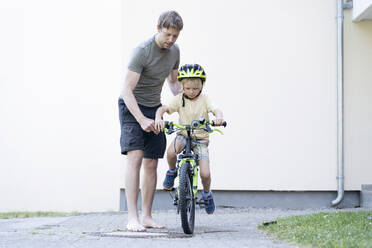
{"type": "Point", "coordinates": [186, 199]}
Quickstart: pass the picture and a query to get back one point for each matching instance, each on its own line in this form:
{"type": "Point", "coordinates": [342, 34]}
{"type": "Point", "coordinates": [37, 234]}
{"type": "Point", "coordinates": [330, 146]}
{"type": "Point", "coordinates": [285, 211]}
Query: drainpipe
{"type": "Point", "coordinates": [340, 99]}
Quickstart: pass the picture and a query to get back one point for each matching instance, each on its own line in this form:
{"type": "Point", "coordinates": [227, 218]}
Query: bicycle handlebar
{"type": "Point", "coordinates": [195, 124]}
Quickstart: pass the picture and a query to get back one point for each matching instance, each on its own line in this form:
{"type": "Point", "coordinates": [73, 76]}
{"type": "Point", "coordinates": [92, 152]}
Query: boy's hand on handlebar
{"type": "Point", "coordinates": [159, 125]}
{"type": "Point", "coordinates": [218, 122]}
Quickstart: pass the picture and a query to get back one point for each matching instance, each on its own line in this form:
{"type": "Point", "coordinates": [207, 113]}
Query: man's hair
{"type": "Point", "coordinates": [170, 19]}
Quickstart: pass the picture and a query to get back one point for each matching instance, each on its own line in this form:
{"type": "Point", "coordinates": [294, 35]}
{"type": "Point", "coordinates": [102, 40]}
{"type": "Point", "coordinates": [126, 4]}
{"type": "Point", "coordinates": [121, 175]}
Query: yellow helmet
{"type": "Point", "coordinates": [191, 71]}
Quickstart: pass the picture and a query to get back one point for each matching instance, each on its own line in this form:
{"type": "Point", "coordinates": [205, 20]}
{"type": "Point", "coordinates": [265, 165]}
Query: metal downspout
{"type": "Point", "coordinates": [340, 100]}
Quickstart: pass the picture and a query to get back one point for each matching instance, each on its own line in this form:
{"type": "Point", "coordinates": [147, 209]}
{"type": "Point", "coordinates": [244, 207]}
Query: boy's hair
{"type": "Point", "coordinates": [196, 81]}
{"type": "Point", "coordinates": [170, 19]}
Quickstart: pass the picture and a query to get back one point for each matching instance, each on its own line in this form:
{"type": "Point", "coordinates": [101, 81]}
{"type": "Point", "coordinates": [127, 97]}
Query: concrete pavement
{"type": "Point", "coordinates": [225, 228]}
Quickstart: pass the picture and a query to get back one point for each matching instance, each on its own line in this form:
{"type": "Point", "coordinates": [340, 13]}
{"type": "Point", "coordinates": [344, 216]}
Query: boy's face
{"type": "Point", "coordinates": [192, 87]}
{"type": "Point", "coordinates": [167, 37]}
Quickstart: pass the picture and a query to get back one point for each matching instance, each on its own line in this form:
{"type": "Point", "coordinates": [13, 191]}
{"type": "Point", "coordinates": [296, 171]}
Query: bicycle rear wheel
{"type": "Point", "coordinates": [186, 199]}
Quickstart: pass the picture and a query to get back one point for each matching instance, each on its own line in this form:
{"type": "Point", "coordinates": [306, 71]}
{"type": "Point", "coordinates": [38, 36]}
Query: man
{"type": "Point", "coordinates": [151, 63]}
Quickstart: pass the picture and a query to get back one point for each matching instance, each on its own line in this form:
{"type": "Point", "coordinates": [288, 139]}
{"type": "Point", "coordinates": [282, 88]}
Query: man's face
{"type": "Point", "coordinates": [167, 37]}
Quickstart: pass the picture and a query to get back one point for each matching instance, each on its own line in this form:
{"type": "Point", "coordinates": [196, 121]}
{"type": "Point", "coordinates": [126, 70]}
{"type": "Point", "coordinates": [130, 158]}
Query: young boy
{"type": "Point", "coordinates": [190, 105]}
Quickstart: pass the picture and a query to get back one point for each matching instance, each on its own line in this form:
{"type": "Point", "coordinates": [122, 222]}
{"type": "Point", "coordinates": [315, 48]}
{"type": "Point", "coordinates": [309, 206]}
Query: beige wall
{"type": "Point", "coordinates": [358, 107]}
{"type": "Point", "coordinates": [272, 68]}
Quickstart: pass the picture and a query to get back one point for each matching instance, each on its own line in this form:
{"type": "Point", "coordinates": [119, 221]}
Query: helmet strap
{"type": "Point", "coordinates": [185, 96]}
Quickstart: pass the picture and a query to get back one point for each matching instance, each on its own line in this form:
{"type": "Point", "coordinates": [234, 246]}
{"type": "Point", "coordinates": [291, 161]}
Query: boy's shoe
{"type": "Point", "coordinates": [209, 202]}
{"type": "Point", "coordinates": [169, 179]}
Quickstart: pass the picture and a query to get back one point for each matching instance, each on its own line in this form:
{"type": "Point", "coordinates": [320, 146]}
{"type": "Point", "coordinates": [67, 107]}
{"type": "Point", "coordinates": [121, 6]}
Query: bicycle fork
{"type": "Point", "coordinates": [194, 171]}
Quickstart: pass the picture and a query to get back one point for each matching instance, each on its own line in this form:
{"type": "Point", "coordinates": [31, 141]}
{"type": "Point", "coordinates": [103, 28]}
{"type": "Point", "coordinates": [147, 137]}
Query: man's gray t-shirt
{"type": "Point", "coordinates": [154, 64]}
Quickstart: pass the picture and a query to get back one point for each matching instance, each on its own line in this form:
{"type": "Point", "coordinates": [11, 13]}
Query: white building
{"type": "Point", "coordinates": [271, 67]}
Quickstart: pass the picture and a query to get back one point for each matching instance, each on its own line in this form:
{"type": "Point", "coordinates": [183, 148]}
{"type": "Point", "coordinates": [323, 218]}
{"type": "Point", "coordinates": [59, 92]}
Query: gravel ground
{"type": "Point", "coordinates": [225, 228]}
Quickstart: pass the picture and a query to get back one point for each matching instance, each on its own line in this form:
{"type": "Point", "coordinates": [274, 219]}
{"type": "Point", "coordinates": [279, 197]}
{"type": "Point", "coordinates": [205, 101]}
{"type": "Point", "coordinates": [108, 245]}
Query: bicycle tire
{"type": "Point", "coordinates": [186, 199]}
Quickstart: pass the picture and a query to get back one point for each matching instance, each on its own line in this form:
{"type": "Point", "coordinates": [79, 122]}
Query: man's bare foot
{"type": "Point", "coordinates": [134, 226]}
{"type": "Point", "coordinates": [148, 222]}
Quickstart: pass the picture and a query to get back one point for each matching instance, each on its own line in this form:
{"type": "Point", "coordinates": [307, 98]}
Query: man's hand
{"type": "Point", "coordinates": [148, 125]}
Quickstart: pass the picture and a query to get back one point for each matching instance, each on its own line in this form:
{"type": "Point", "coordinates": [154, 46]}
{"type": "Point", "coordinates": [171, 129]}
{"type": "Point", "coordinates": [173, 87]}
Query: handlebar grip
{"type": "Point", "coordinates": [166, 124]}
{"type": "Point", "coordinates": [224, 124]}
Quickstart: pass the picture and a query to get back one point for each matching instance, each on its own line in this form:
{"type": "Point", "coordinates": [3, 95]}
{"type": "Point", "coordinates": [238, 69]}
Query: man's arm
{"type": "Point", "coordinates": [173, 83]}
{"type": "Point", "coordinates": [130, 83]}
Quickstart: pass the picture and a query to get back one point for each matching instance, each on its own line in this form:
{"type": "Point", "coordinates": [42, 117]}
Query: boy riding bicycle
{"type": "Point", "coordinates": [190, 105]}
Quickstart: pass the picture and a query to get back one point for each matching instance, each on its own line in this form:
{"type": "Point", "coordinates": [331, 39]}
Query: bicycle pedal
{"type": "Point", "coordinates": [201, 203]}
{"type": "Point", "coordinates": [175, 200]}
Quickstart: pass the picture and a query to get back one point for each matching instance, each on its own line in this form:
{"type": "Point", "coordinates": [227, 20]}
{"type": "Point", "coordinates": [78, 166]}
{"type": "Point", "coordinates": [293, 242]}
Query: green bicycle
{"type": "Point", "coordinates": [187, 166]}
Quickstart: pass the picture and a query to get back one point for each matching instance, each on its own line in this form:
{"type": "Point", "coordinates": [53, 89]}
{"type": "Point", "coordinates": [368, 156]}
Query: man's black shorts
{"type": "Point", "coordinates": [133, 137]}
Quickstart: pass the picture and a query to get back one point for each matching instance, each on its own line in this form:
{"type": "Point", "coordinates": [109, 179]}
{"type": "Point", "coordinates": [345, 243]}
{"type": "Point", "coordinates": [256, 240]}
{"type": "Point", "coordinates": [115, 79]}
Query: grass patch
{"type": "Point", "coordinates": [10, 215]}
{"type": "Point", "coordinates": [339, 230]}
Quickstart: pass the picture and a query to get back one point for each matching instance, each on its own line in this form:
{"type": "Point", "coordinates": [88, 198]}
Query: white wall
{"type": "Point", "coordinates": [362, 10]}
{"type": "Point", "coordinates": [61, 70]}
{"type": "Point", "coordinates": [271, 67]}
